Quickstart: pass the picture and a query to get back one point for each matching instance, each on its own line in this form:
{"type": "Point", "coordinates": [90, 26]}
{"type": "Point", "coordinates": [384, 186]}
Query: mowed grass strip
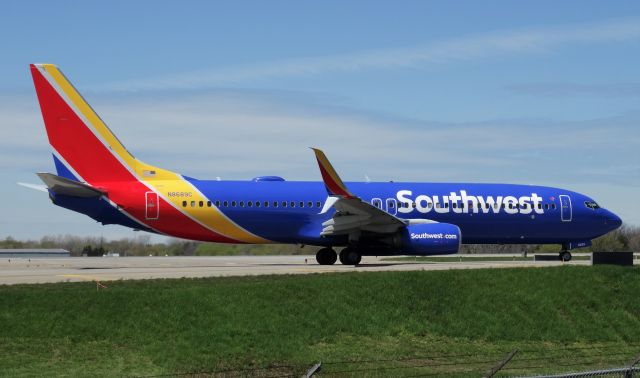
{"type": "Point", "coordinates": [388, 323]}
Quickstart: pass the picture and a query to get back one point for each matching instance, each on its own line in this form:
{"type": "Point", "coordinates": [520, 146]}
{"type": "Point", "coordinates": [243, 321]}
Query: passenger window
{"type": "Point", "coordinates": [257, 203]}
{"type": "Point", "coordinates": [184, 203]}
{"type": "Point", "coordinates": [413, 204]}
{"type": "Point", "coordinates": [309, 204]}
{"type": "Point", "coordinates": [233, 203]}
{"type": "Point", "coordinates": [284, 203]}
{"type": "Point", "coordinates": [455, 205]}
{"type": "Point", "coordinates": [208, 203]}
{"type": "Point", "coordinates": [301, 204]}
{"type": "Point", "coordinates": [554, 206]}
{"type": "Point", "coordinates": [391, 205]}
{"type": "Point", "coordinates": [201, 203]}
{"type": "Point", "coordinates": [266, 203]}
{"type": "Point", "coordinates": [249, 204]}
{"type": "Point", "coordinates": [225, 203]}
{"type": "Point", "coordinates": [318, 204]}
{"type": "Point", "coordinates": [293, 204]}
{"type": "Point", "coordinates": [193, 203]}
{"type": "Point", "coordinates": [275, 203]}
{"type": "Point", "coordinates": [217, 203]}
{"type": "Point", "coordinates": [241, 203]}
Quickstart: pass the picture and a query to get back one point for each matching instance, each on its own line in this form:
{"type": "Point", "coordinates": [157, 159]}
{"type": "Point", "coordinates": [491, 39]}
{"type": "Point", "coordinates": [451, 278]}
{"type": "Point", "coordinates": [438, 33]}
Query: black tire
{"type": "Point", "coordinates": [350, 256]}
{"type": "Point", "coordinates": [326, 256]}
{"type": "Point", "coordinates": [565, 256]}
{"type": "Point", "coordinates": [343, 256]}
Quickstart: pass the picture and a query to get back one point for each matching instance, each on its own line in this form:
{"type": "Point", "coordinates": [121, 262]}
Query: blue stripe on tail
{"type": "Point", "coordinates": [62, 169]}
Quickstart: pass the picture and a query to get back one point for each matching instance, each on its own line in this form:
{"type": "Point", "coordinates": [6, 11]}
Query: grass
{"type": "Point", "coordinates": [372, 324]}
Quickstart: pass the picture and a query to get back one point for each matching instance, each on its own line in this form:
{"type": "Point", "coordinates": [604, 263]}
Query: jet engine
{"type": "Point", "coordinates": [430, 239]}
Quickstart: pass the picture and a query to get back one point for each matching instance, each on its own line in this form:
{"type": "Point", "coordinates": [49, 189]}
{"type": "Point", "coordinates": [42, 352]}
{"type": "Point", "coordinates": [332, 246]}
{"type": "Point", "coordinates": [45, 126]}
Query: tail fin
{"type": "Point", "coordinates": [86, 150]}
{"type": "Point", "coordinates": [84, 147]}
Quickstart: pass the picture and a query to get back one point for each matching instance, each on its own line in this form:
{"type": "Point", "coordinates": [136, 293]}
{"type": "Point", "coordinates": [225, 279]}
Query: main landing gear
{"type": "Point", "coordinates": [348, 256]}
{"type": "Point", "coordinates": [326, 256]}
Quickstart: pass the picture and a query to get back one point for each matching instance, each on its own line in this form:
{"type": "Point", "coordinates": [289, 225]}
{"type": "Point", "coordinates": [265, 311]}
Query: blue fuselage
{"type": "Point", "coordinates": [289, 212]}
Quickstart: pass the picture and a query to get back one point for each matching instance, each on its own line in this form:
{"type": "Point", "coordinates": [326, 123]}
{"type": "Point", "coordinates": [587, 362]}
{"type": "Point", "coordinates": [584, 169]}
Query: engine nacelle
{"type": "Point", "coordinates": [431, 239]}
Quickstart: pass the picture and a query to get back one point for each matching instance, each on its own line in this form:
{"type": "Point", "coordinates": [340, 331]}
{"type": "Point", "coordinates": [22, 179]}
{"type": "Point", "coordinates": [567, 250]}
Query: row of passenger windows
{"type": "Point", "coordinates": [318, 204]}
{"type": "Point", "coordinates": [486, 205]}
{"type": "Point", "coordinates": [301, 204]}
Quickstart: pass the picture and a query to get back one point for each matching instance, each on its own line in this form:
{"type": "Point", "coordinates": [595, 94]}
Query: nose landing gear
{"type": "Point", "coordinates": [565, 256]}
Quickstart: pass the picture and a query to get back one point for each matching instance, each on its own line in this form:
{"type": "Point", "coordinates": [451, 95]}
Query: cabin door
{"type": "Point", "coordinates": [565, 208]}
{"type": "Point", "coordinates": [152, 207]}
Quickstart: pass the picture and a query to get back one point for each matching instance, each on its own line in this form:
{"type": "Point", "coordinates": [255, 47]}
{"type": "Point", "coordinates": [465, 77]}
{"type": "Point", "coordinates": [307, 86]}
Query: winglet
{"type": "Point", "coordinates": [333, 183]}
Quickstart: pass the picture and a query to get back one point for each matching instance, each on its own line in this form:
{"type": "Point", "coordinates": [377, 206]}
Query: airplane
{"type": "Point", "coordinates": [97, 176]}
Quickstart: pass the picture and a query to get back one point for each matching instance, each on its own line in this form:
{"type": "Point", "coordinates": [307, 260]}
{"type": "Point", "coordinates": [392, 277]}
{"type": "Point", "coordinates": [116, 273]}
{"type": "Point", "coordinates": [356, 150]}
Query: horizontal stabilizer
{"type": "Point", "coordinates": [64, 186]}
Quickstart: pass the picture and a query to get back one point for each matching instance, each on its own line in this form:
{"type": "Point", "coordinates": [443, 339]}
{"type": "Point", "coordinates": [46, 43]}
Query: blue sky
{"type": "Point", "coordinates": [542, 93]}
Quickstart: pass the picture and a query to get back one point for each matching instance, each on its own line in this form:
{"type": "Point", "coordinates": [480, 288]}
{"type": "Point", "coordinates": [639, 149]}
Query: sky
{"type": "Point", "coordinates": [543, 92]}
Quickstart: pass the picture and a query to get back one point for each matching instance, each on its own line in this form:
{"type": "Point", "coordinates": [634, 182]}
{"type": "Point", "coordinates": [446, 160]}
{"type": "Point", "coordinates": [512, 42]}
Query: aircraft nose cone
{"type": "Point", "coordinates": [612, 221]}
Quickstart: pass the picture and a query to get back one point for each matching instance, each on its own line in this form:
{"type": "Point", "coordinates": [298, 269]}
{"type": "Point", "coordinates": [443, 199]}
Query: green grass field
{"type": "Point", "coordinates": [458, 323]}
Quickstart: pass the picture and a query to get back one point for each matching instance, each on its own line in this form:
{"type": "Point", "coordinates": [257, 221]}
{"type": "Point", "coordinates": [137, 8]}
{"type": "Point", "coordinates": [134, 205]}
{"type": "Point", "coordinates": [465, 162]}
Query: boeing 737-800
{"type": "Point", "coordinates": [97, 176]}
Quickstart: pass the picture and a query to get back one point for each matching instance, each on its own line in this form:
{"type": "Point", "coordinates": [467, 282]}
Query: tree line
{"type": "Point", "coordinates": [626, 238]}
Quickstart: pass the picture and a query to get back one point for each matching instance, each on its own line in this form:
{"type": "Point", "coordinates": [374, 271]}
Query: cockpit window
{"type": "Point", "coordinates": [591, 204]}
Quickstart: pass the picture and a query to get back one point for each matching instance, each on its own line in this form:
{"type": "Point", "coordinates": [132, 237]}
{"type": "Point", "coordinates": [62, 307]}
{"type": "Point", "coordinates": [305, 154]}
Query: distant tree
{"type": "Point", "coordinates": [613, 241]}
{"type": "Point", "coordinates": [10, 242]}
{"type": "Point", "coordinates": [90, 251]}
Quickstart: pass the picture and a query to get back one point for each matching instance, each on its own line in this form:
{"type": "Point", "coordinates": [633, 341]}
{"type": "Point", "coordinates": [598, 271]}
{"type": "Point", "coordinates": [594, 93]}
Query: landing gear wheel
{"type": "Point", "coordinates": [326, 256]}
{"type": "Point", "coordinates": [350, 256]}
{"type": "Point", "coordinates": [342, 257]}
{"type": "Point", "coordinates": [565, 256]}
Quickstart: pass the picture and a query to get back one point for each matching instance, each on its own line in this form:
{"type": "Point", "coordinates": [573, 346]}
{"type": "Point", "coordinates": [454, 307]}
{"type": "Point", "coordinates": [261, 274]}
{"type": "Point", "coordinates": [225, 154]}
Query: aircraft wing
{"type": "Point", "coordinates": [352, 213]}
{"type": "Point", "coordinates": [67, 187]}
